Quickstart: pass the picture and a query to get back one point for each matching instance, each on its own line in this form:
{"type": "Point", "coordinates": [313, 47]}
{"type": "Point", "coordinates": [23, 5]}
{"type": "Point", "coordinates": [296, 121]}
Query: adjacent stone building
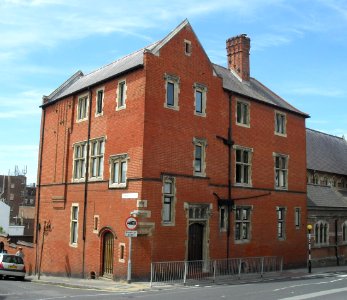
{"type": "Point", "coordinates": [210, 161]}
{"type": "Point", "coordinates": [327, 196]}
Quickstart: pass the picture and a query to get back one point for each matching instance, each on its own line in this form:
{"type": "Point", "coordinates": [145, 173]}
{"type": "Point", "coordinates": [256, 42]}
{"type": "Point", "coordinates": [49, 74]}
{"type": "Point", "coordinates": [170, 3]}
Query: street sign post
{"type": "Point", "coordinates": [131, 225]}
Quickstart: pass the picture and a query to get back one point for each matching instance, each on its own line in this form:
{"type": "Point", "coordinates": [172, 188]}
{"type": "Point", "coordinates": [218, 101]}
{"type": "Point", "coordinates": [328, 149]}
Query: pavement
{"type": "Point", "coordinates": [124, 287]}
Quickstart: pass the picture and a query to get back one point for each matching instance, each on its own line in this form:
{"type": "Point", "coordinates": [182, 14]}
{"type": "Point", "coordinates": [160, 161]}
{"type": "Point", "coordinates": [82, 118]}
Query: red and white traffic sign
{"type": "Point", "coordinates": [131, 223]}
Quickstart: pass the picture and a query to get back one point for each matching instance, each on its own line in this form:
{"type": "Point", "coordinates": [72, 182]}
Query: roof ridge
{"type": "Point", "coordinates": [321, 132]}
{"type": "Point", "coordinates": [119, 59]}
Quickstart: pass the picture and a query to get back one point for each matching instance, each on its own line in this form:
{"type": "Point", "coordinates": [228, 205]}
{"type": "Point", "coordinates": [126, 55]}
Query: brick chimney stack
{"type": "Point", "coordinates": [238, 55]}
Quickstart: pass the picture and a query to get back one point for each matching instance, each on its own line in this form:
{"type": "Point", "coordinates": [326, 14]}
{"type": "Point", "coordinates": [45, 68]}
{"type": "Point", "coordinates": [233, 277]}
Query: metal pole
{"type": "Point", "coordinates": [309, 227]}
{"type": "Point", "coordinates": [129, 261]}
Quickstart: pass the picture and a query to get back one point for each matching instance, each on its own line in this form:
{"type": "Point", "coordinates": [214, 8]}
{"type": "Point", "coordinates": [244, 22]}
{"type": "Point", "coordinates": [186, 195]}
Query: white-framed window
{"type": "Point", "coordinates": [11, 196]}
{"type": "Point", "coordinates": [321, 233]}
{"type": "Point", "coordinates": [324, 181]}
{"type": "Point", "coordinates": [242, 223]}
{"type": "Point", "coordinates": [281, 223]}
{"type": "Point", "coordinates": [297, 216]}
{"type": "Point", "coordinates": [79, 167]}
{"type": "Point", "coordinates": [169, 191]}
{"type": "Point", "coordinates": [344, 232]}
{"type": "Point", "coordinates": [99, 102]}
{"type": "Point", "coordinates": [121, 94]}
{"type": "Point", "coordinates": [280, 123]}
{"type": "Point", "coordinates": [281, 171]}
{"type": "Point", "coordinates": [243, 165]}
{"type": "Point", "coordinates": [97, 149]}
{"type": "Point", "coordinates": [121, 252]}
{"type": "Point", "coordinates": [82, 108]}
{"type": "Point", "coordinates": [199, 163]}
{"type": "Point", "coordinates": [118, 170]}
{"type": "Point", "coordinates": [74, 225]}
{"type": "Point", "coordinates": [172, 88]}
{"type": "Point", "coordinates": [200, 96]}
{"type": "Point", "coordinates": [96, 224]}
{"type": "Point", "coordinates": [12, 185]}
{"type": "Point", "coordinates": [243, 113]}
{"type": "Point", "coordinates": [187, 47]}
{"type": "Point", "coordinates": [223, 218]}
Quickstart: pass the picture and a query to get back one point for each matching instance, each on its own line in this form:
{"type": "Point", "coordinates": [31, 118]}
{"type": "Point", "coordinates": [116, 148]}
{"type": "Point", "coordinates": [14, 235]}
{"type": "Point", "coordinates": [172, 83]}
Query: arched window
{"type": "Point", "coordinates": [341, 184]}
{"type": "Point", "coordinates": [344, 232]}
{"type": "Point", "coordinates": [316, 179]}
{"type": "Point", "coordinates": [309, 178]}
{"type": "Point", "coordinates": [324, 181]}
{"type": "Point", "coordinates": [321, 233]}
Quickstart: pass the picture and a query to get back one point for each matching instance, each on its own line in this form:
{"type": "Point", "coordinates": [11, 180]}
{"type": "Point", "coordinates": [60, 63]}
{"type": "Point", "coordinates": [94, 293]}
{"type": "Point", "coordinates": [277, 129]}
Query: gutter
{"type": "Point", "coordinates": [86, 182]}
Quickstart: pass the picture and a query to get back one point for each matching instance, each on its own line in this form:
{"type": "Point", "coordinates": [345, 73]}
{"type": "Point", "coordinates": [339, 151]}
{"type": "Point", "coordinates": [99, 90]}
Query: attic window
{"type": "Point", "coordinates": [187, 47]}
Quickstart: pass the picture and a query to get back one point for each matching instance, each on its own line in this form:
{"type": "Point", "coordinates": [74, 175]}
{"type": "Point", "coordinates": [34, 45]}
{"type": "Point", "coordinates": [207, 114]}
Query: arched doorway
{"type": "Point", "coordinates": [196, 241]}
{"type": "Point", "coordinates": [107, 254]}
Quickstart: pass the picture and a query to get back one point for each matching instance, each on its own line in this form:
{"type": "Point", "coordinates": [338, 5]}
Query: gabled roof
{"type": "Point", "coordinates": [252, 89]}
{"type": "Point", "coordinates": [325, 196]}
{"type": "Point", "coordinates": [326, 153]}
{"type": "Point", "coordinates": [231, 81]}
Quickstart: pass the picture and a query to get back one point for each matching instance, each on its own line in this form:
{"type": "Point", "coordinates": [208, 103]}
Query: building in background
{"type": "Point", "coordinates": [327, 196]}
{"type": "Point", "coordinates": [210, 161]}
{"type": "Point", "coordinates": [21, 200]}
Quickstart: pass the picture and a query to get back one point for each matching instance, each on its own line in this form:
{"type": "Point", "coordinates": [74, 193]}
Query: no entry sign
{"type": "Point", "coordinates": [131, 223]}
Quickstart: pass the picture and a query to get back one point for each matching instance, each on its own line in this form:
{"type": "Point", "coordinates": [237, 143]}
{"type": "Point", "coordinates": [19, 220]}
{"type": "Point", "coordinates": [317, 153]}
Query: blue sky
{"type": "Point", "coordinates": [298, 49]}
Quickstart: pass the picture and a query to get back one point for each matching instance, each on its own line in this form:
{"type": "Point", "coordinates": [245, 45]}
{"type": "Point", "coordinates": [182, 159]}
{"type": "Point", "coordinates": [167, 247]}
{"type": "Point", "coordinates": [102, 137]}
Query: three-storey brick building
{"type": "Point", "coordinates": [210, 161]}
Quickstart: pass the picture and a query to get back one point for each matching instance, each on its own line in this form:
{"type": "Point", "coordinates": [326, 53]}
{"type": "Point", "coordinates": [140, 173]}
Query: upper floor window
{"type": "Point", "coordinates": [99, 102]}
{"type": "Point", "coordinates": [168, 200]}
{"type": "Point", "coordinates": [97, 158]}
{"type": "Point", "coordinates": [242, 113]}
{"type": "Point", "coordinates": [74, 225]}
{"type": "Point", "coordinates": [79, 160]}
{"type": "Point", "coordinates": [281, 222]}
{"type": "Point", "coordinates": [121, 95]}
{"type": "Point", "coordinates": [242, 223]}
{"type": "Point", "coordinates": [280, 123]}
{"type": "Point", "coordinates": [243, 165]}
{"type": "Point", "coordinates": [119, 167]}
{"type": "Point", "coordinates": [199, 156]}
{"type": "Point", "coordinates": [187, 47]}
{"type": "Point", "coordinates": [297, 217]}
{"type": "Point", "coordinates": [82, 108]}
{"type": "Point", "coordinates": [172, 91]}
{"type": "Point", "coordinates": [200, 92]}
{"type": "Point", "coordinates": [281, 171]}
{"type": "Point", "coordinates": [321, 233]}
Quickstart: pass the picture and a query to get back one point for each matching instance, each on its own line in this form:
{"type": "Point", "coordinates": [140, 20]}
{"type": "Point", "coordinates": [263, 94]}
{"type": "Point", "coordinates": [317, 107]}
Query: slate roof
{"type": "Point", "coordinates": [113, 69]}
{"type": "Point", "coordinates": [326, 153]}
{"type": "Point", "coordinates": [253, 89]}
{"type": "Point", "coordinates": [231, 81]}
{"type": "Point", "coordinates": [325, 196]}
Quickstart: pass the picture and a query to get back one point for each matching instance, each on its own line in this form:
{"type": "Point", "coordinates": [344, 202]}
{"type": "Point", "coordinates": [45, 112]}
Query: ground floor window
{"type": "Point", "coordinates": [242, 223]}
{"type": "Point", "coordinates": [321, 233]}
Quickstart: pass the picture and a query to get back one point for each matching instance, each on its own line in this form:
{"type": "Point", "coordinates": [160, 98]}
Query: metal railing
{"type": "Point", "coordinates": [190, 272]}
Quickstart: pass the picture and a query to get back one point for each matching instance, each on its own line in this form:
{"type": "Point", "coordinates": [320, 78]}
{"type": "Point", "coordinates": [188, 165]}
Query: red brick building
{"type": "Point", "coordinates": [180, 142]}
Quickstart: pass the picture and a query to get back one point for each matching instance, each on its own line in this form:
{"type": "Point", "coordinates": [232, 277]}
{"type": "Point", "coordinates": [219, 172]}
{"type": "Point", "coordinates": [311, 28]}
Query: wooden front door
{"type": "Point", "coordinates": [107, 264]}
{"type": "Point", "coordinates": [195, 242]}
